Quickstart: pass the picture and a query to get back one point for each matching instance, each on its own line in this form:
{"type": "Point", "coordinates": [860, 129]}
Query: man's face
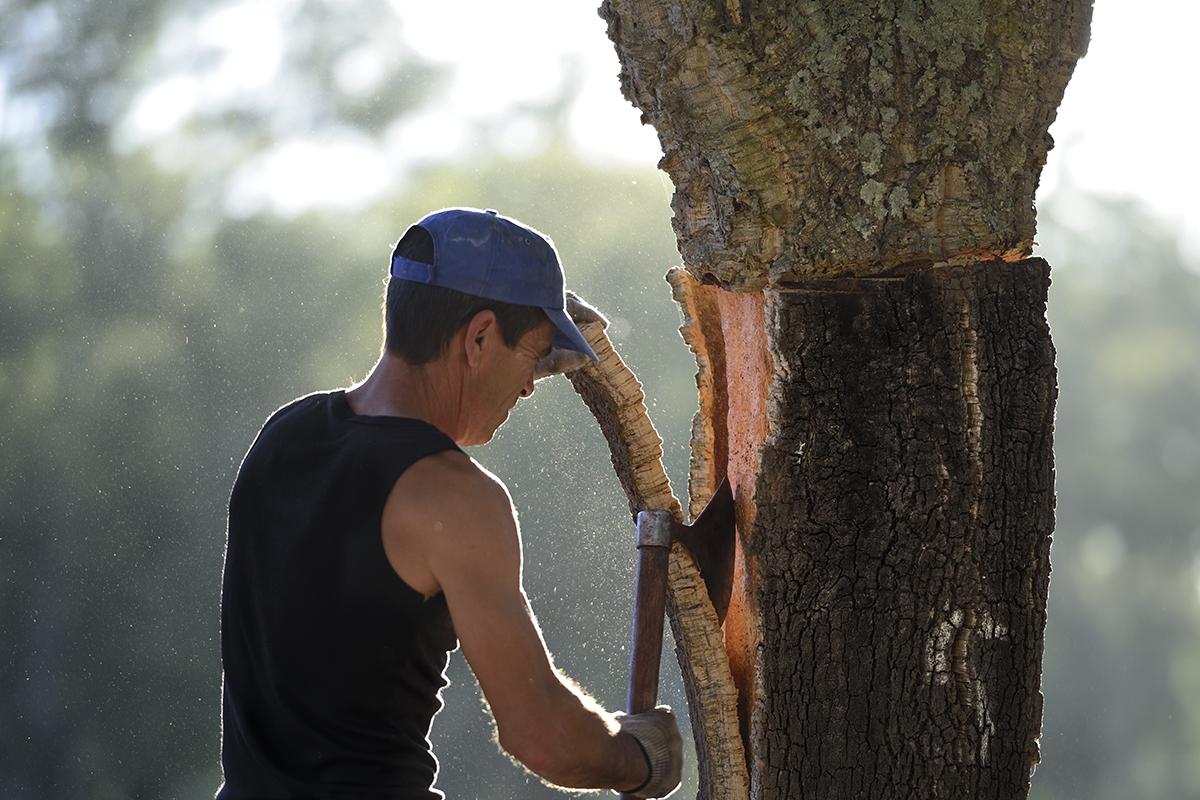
{"type": "Point", "coordinates": [505, 378]}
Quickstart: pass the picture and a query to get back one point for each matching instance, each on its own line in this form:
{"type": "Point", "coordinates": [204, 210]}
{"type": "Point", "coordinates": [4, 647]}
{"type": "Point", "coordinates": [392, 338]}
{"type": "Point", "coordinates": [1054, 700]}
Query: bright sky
{"type": "Point", "coordinates": [1126, 127]}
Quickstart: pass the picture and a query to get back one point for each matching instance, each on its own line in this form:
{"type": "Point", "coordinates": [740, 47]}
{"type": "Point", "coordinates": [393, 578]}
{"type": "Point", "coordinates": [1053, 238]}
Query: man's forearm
{"type": "Point", "coordinates": [579, 746]}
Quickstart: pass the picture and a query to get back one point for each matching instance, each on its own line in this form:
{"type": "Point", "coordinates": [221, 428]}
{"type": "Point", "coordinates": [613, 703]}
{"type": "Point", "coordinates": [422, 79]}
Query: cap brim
{"type": "Point", "coordinates": [567, 336]}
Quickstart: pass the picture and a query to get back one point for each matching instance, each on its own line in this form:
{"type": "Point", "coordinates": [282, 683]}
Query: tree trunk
{"type": "Point", "coordinates": [854, 205]}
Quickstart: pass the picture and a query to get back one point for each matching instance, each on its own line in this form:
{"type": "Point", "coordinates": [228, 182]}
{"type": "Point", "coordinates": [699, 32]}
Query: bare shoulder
{"type": "Point", "coordinates": [452, 486]}
{"type": "Point", "coordinates": [445, 514]}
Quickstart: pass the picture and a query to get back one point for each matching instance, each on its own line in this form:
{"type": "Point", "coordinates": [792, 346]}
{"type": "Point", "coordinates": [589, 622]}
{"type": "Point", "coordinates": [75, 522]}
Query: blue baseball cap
{"type": "Point", "coordinates": [485, 254]}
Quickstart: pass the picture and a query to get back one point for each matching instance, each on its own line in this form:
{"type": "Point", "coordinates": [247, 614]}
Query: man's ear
{"type": "Point", "coordinates": [476, 334]}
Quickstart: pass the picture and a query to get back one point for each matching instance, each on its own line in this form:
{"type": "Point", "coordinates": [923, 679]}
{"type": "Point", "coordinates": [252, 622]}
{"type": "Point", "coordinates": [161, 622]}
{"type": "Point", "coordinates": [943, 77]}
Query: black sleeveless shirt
{"type": "Point", "coordinates": [333, 665]}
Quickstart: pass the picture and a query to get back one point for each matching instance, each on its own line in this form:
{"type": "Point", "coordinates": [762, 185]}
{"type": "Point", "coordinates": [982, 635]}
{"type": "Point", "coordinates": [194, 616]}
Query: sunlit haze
{"type": "Point", "coordinates": [1126, 126]}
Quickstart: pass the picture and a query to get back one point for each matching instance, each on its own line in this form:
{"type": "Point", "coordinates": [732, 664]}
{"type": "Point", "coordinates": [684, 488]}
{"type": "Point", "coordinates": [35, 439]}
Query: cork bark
{"type": "Point", "coordinates": [820, 137]}
{"type": "Point", "coordinates": [854, 207]}
{"type": "Point", "coordinates": [614, 396]}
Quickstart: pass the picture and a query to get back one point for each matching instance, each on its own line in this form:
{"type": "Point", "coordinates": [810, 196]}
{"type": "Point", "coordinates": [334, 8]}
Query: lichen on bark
{"type": "Point", "coordinates": [825, 137]}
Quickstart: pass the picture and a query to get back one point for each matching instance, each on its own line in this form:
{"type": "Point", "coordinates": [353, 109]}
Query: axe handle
{"type": "Point", "coordinates": [650, 603]}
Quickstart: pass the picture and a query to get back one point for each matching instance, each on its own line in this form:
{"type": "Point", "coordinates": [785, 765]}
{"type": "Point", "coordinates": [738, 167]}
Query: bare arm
{"type": "Point", "coordinates": [455, 531]}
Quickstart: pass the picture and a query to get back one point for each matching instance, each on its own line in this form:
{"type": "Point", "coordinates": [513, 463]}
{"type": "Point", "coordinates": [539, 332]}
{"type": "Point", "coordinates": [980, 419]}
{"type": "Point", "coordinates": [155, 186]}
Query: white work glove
{"type": "Point", "coordinates": [657, 733]}
{"type": "Point", "coordinates": [561, 359]}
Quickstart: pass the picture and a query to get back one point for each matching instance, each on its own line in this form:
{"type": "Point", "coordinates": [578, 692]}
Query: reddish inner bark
{"type": "Point", "coordinates": [745, 383]}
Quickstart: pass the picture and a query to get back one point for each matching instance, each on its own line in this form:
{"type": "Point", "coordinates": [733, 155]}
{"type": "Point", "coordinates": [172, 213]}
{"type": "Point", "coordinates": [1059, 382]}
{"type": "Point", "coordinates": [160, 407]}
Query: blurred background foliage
{"type": "Point", "coordinates": [151, 317]}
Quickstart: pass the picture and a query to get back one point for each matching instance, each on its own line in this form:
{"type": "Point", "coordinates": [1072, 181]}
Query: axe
{"type": "Point", "coordinates": [710, 539]}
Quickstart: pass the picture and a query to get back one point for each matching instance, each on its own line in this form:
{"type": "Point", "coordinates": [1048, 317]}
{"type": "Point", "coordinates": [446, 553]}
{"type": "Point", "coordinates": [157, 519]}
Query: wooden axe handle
{"type": "Point", "coordinates": [650, 605]}
{"type": "Point", "coordinates": [649, 610]}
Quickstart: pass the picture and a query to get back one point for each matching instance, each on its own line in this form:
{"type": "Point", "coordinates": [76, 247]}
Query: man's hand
{"type": "Point", "coordinates": [657, 733]}
{"type": "Point", "coordinates": [561, 359]}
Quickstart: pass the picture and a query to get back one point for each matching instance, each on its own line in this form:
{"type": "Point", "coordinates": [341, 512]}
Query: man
{"type": "Point", "coordinates": [362, 541]}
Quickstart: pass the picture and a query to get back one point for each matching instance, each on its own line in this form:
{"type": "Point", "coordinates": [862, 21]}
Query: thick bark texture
{"type": "Point", "coordinates": [854, 205]}
{"type": "Point", "coordinates": [895, 492]}
{"type": "Point", "coordinates": [819, 137]}
{"type": "Point", "coordinates": [913, 496]}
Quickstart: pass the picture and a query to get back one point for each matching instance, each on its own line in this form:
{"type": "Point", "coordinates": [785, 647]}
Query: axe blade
{"type": "Point", "coordinates": [711, 541]}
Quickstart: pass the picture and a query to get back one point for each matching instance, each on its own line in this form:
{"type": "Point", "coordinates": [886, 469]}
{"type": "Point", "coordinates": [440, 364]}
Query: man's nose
{"type": "Point", "coordinates": [528, 388]}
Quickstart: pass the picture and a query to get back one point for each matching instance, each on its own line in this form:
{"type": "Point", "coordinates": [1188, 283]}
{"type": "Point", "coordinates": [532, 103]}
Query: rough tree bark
{"type": "Point", "coordinates": [854, 206]}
